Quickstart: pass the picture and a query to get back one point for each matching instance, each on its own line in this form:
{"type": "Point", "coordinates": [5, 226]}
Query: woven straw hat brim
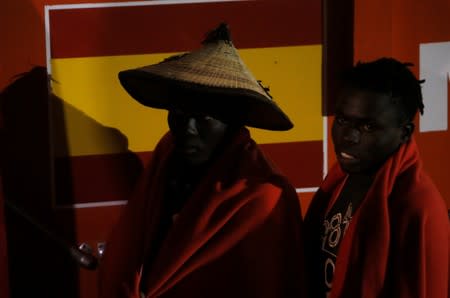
{"type": "Point", "coordinates": [156, 91]}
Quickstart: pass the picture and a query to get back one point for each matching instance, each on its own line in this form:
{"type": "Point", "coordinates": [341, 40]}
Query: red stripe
{"type": "Point", "coordinates": [97, 178]}
{"type": "Point", "coordinates": [301, 162]}
{"type": "Point", "coordinates": [171, 28]}
{"type": "Point", "coordinates": [305, 201]}
{"type": "Point", "coordinates": [110, 177]}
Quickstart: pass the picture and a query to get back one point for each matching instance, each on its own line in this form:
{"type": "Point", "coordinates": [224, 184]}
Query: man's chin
{"type": "Point", "coordinates": [358, 170]}
{"type": "Point", "coordinates": [350, 169]}
{"type": "Point", "coordinates": [194, 160]}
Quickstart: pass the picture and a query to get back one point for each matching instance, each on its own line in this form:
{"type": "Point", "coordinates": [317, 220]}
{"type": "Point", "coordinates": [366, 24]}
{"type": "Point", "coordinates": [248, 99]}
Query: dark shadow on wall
{"type": "Point", "coordinates": [36, 265]}
{"type": "Point", "coordinates": [95, 177]}
{"type": "Point", "coordinates": [35, 181]}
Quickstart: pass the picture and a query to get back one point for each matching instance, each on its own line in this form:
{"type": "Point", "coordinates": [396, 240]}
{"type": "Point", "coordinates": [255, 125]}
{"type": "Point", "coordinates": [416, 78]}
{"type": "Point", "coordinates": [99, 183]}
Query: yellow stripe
{"type": "Point", "coordinates": [100, 117]}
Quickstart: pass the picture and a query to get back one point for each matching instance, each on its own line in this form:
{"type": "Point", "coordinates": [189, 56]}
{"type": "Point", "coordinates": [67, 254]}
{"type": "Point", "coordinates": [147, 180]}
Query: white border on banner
{"type": "Point", "coordinates": [134, 3]}
{"type": "Point", "coordinates": [92, 205]}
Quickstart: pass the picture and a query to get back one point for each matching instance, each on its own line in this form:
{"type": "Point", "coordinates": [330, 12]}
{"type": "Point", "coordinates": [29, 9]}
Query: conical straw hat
{"type": "Point", "coordinates": [216, 79]}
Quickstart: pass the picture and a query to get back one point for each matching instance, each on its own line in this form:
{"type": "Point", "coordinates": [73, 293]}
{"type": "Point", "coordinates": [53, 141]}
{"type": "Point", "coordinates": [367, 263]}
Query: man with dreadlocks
{"type": "Point", "coordinates": [377, 227]}
{"type": "Point", "coordinates": [212, 216]}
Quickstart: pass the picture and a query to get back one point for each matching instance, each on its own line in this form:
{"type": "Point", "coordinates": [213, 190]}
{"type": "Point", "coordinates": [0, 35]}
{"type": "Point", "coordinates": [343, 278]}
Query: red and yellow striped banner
{"type": "Point", "coordinates": [280, 41]}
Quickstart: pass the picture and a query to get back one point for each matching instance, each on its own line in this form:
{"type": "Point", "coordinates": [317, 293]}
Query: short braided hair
{"type": "Point", "coordinates": [390, 77]}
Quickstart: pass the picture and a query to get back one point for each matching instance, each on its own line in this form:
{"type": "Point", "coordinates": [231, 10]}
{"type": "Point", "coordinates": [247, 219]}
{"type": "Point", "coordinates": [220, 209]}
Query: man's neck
{"type": "Point", "coordinates": [356, 188]}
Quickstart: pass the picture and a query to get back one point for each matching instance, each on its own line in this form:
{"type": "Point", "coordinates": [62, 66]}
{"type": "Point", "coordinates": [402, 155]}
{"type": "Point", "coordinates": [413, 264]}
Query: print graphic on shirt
{"type": "Point", "coordinates": [334, 230]}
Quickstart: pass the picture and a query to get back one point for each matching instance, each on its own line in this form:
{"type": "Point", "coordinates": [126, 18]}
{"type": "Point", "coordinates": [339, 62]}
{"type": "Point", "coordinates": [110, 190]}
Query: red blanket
{"type": "Point", "coordinates": [238, 235]}
{"type": "Point", "coordinates": [397, 244]}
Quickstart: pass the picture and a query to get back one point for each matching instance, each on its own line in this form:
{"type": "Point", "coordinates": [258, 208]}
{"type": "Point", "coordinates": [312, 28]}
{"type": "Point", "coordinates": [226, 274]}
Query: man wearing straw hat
{"type": "Point", "coordinates": [211, 216]}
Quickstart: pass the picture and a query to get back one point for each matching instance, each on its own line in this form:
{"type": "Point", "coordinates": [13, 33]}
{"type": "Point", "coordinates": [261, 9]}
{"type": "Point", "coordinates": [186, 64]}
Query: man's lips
{"type": "Point", "coordinates": [190, 149]}
{"type": "Point", "coordinates": [346, 155]}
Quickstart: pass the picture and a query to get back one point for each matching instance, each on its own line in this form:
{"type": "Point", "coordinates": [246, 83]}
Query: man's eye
{"type": "Point", "coordinates": [204, 119]}
{"type": "Point", "coordinates": [178, 113]}
{"type": "Point", "coordinates": [341, 120]}
{"type": "Point", "coordinates": [368, 127]}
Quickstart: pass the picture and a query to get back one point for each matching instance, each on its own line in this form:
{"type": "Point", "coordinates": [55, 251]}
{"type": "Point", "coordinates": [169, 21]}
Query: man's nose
{"type": "Point", "coordinates": [191, 126]}
{"type": "Point", "coordinates": [352, 135]}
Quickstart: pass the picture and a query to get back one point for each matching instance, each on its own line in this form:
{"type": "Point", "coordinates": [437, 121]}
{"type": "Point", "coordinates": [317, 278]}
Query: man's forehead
{"type": "Point", "coordinates": [365, 105]}
{"type": "Point", "coordinates": [364, 98]}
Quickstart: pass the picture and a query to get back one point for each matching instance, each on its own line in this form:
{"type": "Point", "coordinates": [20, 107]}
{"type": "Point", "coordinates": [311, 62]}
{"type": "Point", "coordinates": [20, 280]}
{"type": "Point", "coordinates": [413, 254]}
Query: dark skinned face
{"type": "Point", "coordinates": [366, 131]}
{"type": "Point", "coordinates": [196, 135]}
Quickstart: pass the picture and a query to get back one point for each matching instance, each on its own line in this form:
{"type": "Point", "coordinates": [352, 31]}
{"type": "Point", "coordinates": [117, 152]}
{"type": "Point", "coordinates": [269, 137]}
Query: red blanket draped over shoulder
{"type": "Point", "coordinates": [397, 244]}
{"type": "Point", "coordinates": [238, 235]}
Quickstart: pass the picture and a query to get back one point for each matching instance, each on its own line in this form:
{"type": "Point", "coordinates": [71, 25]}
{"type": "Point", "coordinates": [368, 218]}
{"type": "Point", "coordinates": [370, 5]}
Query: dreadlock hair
{"type": "Point", "coordinates": [390, 77]}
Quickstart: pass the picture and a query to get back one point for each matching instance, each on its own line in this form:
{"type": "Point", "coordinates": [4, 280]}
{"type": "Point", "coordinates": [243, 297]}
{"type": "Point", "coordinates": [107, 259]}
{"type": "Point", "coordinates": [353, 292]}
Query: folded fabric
{"type": "Point", "coordinates": [397, 243]}
{"type": "Point", "coordinates": [238, 235]}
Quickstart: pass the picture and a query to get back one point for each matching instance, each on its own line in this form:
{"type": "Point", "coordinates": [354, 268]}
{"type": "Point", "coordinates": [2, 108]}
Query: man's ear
{"type": "Point", "coordinates": [407, 132]}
